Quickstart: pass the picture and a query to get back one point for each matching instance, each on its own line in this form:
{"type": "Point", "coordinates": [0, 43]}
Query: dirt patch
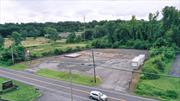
{"type": "Point", "coordinates": [105, 60]}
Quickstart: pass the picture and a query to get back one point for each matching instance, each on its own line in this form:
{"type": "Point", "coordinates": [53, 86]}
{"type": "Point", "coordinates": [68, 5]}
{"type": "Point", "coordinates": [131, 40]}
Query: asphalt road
{"type": "Point", "coordinates": [80, 93]}
{"type": "Point", "coordinates": [176, 67]}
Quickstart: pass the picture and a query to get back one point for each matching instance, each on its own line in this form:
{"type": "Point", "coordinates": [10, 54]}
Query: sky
{"type": "Point", "coordinates": [24, 11]}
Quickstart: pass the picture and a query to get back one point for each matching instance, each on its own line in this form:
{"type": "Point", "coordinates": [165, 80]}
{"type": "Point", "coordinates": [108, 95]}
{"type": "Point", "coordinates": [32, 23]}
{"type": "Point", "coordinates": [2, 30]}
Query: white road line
{"type": "Point", "coordinates": [50, 89]}
{"type": "Point", "coordinates": [128, 95]}
{"type": "Point", "coordinates": [113, 92]}
{"type": "Point", "coordinates": [57, 85]}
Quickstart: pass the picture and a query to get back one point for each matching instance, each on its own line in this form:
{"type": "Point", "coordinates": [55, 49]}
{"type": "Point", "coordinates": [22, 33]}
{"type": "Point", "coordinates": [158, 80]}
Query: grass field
{"type": "Point", "coordinates": [38, 50]}
{"type": "Point", "coordinates": [19, 66]}
{"type": "Point", "coordinates": [42, 45]}
{"type": "Point", "coordinates": [24, 93]}
{"type": "Point", "coordinates": [162, 88]}
{"type": "Point", "coordinates": [76, 78]}
{"type": "Point", "coordinates": [30, 41]}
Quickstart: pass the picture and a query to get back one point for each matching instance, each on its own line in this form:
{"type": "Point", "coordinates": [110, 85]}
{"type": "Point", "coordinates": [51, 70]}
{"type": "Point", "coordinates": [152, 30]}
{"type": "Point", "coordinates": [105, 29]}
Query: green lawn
{"type": "Point", "coordinates": [49, 47]}
{"type": "Point", "coordinates": [24, 93]}
{"type": "Point", "coordinates": [159, 88]}
{"type": "Point", "coordinates": [41, 45]}
{"type": "Point", "coordinates": [30, 41]}
{"type": "Point", "coordinates": [19, 66]}
{"type": "Point", "coordinates": [76, 78]}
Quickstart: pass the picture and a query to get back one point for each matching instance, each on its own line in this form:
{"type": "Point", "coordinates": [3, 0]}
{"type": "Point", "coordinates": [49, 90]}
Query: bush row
{"type": "Point", "coordinates": [145, 89]}
{"type": "Point", "coordinates": [6, 55]}
{"type": "Point", "coordinates": [103, 43]}
{"type": "Point", "coordinates": [56, 52]}
{"type": "Point", "coordinates": [157, 62]}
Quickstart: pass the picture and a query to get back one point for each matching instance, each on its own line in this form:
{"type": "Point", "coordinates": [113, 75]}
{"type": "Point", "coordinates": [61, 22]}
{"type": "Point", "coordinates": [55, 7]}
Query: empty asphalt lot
{"type": "Point", "coordinates": [80, 93]}
{"type": "Point", "coordinates": [105, 60]}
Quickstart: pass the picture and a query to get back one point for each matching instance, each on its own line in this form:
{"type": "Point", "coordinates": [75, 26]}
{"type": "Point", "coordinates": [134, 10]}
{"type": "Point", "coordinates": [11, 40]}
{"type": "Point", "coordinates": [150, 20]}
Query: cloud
{"type": "Point", "coordinates": [74, 10]}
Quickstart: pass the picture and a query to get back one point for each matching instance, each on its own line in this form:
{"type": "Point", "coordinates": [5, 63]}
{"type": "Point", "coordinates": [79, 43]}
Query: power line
{"type": "Point", "coordinates": [140, 72]}
{"type": "Point", "coordinates": [126, 70]}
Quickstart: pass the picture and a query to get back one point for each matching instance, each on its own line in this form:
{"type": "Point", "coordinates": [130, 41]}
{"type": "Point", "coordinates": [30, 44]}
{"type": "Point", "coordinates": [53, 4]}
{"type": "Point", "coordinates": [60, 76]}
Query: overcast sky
{"type": "Point", "coordinates": [74, 10]}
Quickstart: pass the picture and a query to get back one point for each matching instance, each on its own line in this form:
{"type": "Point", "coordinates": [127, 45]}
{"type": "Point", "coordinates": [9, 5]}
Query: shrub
{"type": "Point", "coordinates": [6, 57]}
{"type": "Point", "coordinates": [158, 63]}
{"type": "Point", "coordinates": [67, 50]}
{"type": "Point", "coordinates": [146, 89]}
{"type": "Point", "coordinates": [57, 52]}
{"type": "Point", "coordinates": [101, 43]}
{"type": "Point", "coordinates": [116, 44]}
{"type": "Point", "coordinates": [171, 94]}
{"type": "Point", "coordinates": [47, 53]}
{"type": "Point", "coordinates": [150, 73]}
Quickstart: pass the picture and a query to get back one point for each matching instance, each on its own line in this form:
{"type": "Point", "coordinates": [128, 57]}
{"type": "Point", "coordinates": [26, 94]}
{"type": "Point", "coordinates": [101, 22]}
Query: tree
{"type": "Point", "coordinates": [170, 17]}
{"type": "Point", "coordinates": [176, 35]}
{"type": "Point", "coordinates": [121, 33]}
{"type": "Point", "coordinates": [88, 34]}
{"type": "Point", "coordinates": [51, 33]}
{"type": "Point", "coordinates": [1, 41]}
{"type": "Point", "coordinates": [154, 28]}
{"type": "Point", "coordinates": [24, 34]}
{"type": "Point", "coordinates": [99, 31]}
{"type": "Point", "coordinates": [71, 38]}
{"type": "Point", "coordinates": [33, 33]}
{"type": "Point", "coordinates": [16, 38]}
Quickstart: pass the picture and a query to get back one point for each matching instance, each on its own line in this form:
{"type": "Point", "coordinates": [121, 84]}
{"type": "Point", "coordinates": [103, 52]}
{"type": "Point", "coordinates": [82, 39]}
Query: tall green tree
{"type": "Point", "coordinates": [16, 38]}
{"type": "Point", "coordinates": [88, 34]}
{"type": "Point", "coordinates": [154, 27]}
{"type": "Point", "coordinates": [176, 35]}
{"type": "Point", "coordinates": [99, 31]}
{"type": "Point", "coordinates": [1, 41]}
{"type": "Point", "coordinates": [51, 33]}
{"type": "Point", "coordinates": [170, 17]}
{"type": "Point", "coordinates": [71, 38]}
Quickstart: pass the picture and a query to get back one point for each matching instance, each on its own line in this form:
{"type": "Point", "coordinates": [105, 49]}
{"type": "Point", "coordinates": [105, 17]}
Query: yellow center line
{"type": "Point", "coordinates": [61, 86]}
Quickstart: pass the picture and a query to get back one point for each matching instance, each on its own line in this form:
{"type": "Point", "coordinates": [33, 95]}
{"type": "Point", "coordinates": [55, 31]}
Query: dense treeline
{"type": "Point", "coordinates": [116, 34]}
{"type": "Point", "coordinates": [139, 34]}
{"type": "Point", "coordinates": [37, 29]}
{"type": "Point", "coordinates": [136, 33]}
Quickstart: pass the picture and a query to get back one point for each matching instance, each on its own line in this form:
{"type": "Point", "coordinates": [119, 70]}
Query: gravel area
{"type": "Point", "coordinates": [105, 59]}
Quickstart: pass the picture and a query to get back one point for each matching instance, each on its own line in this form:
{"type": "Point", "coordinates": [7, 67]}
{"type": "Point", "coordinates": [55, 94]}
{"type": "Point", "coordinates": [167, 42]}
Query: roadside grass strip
{"type": "Point", "coordinates": [76, 78]}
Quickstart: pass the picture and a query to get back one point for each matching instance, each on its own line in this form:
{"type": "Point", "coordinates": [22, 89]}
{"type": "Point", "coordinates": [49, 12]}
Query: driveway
{"type": "Point", "coordinates": [176, 67]}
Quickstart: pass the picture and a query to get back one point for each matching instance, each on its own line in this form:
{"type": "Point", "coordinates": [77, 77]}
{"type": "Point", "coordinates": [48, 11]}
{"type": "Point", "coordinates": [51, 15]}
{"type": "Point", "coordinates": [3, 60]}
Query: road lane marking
{"type": "Point", "coordinates": [57, 85]}
{"type": "Point", "coordinates": [50, 89]}
{"type": "Point", "coordinates": [124, 94]}
{"type": "Point", "coordinates": [114, 92]}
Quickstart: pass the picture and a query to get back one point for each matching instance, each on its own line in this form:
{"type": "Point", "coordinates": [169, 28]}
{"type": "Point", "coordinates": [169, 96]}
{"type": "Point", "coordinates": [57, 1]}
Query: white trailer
{"type": "Point", "coordinates": [137, 61]}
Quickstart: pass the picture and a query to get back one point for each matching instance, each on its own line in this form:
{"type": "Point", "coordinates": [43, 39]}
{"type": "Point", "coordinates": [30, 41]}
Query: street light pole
{"type": "Point", "coordinates": [12, 54]}
{"type": "Point", "coordinates": [70, 76]}
{"type": "Point", "coordinates": [94, 65]}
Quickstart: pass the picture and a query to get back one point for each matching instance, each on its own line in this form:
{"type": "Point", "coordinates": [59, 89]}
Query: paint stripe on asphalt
{"type": "Point", "coordinates": [58, 85]}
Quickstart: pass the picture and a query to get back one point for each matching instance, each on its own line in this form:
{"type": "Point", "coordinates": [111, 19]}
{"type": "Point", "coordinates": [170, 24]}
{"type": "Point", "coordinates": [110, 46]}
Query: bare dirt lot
{"type": "Point", "coordinates": [105, 59]}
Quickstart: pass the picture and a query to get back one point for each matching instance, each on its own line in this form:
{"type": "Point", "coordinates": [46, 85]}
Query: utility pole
{"type": "Point", "coordinates": [70, 76]}
{"type": "Point", "coordinates": [94, 65]}
{"type": "Point", "coordinates": [84, 27]}
{"type": "Point", "coordinates": [12, 54]}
